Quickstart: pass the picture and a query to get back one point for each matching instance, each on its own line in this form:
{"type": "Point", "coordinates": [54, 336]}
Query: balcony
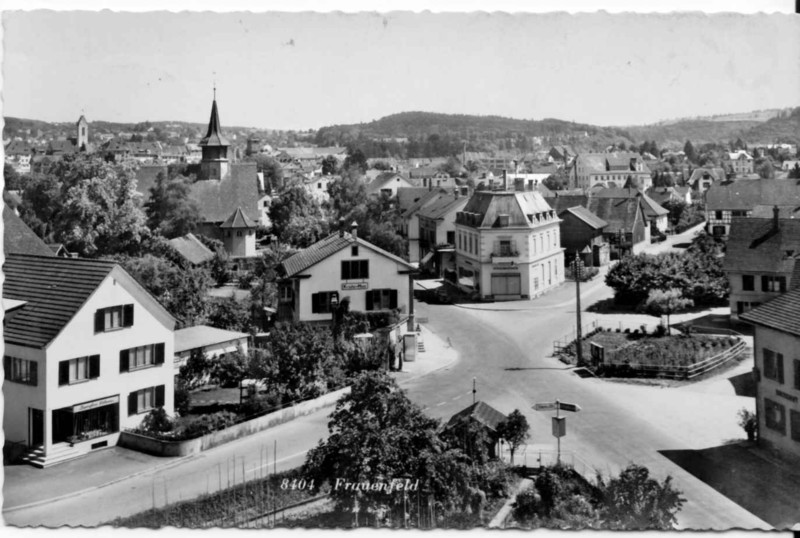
{"type": "Point", "coordinates": [504, 256]}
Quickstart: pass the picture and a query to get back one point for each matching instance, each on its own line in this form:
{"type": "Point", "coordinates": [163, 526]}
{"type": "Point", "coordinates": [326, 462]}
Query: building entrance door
{"type": "Point", "coordinates": [36, 427]}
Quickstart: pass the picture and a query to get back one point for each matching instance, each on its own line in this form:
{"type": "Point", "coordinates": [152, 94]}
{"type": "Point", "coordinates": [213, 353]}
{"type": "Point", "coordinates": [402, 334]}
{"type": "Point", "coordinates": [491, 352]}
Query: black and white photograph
{"type": "Point", "coordinates": [401, 268]}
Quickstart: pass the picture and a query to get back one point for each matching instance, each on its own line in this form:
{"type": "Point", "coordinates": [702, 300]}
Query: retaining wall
{"type": "Point", "coordinates": [158, 447]}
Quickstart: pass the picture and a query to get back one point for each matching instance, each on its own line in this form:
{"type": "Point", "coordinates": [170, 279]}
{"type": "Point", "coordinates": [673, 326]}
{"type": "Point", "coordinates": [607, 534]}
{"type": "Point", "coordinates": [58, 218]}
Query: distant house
{"type": "Point", "coordinates": [662, 195]}
{"type": "Point", "coordinates": [437, 232]}
{"type": "Point", "coordinates": [739, 162]}
{"type": "Point", "coordinates": [409, 216]}
{"type": "Point", "coordinates": [486, 417]}
{"type": "Point", "coordinates": [508, 246]}
{"type": "Point", "coordinates": [777, 371]}
{"type": "Point", "coordinates": [215, 343]}
{"type": "Point", "coordinates": [737, 199]}
{"type": "Point", "coordinates": [627, 229]}
{"type": "Point", "coordinates": [653, 212]}
{"type": "Point", "coordinates": [18, 154]}
{"type": "Point", "coordinates": [760, 257]}
{"type": "Point", "coordinates": [191, 249]}
{"type": "Point", "coordinates": [582, 232]}
{"type": "Point", "coordinates": [614, 169]}
{"type": "Point", "coordinates": [85, 349]}
{"type": "Point", "coordinates": [427, 176]}
{"type": "Point", "coordinates": [703, 178]}
{"type": "Point", "coordinates": [387, 184]}
{"type": "Point", "coordinates": [343, 267]}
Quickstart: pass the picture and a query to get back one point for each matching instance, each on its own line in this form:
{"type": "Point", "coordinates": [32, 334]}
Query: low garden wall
{"type": "Point", "coordinates": [164, 448]}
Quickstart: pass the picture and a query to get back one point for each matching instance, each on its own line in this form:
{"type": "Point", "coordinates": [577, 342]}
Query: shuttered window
{"type": "Point", "coordinates": [773, 365]}
{"type": "Point", "coordinates": [144, 400]}
{"type": "Point", "coordinates": [114, 317]}
{"type": "Point", "coordinates": [78, 370]}
{"type": "Point", "coordinates": [141, 357]}
{"type": "Point", "coordinates": [355, 269]}
{"type": "Point", "coordinates": [321, 302]}
{"type": "Point", "coordinates": [21, 371]}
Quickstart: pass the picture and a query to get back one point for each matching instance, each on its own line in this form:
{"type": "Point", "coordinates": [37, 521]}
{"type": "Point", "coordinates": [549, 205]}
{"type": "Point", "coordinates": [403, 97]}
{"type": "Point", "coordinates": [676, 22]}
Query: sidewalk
{"type": "Point", "coordinates": [438, 354]}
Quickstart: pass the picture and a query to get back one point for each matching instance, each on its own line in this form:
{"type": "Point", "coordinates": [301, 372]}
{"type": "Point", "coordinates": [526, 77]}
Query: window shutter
{"type": "Point", "coordinates": [63, 373]}
{"type": "Point", "coordinates": [124, 356]}
{"type": "Point", "coordinates": [315, 301]}
{"type": "Point", "coordinates": [782, 282]}
{"type": "Point", "coordinates": [345, 270]}
{"type": "Point", "coordinates": [779, 365]}
{"type": "Point", "coordinates": [94, 366]}
{"type": "Point", "coordinates": [7, 366]}
{"type": "Point", "coordinates": [160, 396]}
{"type": "Point", "coordinates": [133, 399]}
{"type": "Point", "coordinates": [392, 298]}
{"type": "Point", "coordinates": [764, 283]}
{"type": "Point", "coordinates": [364, 268]}
{"type": "Point", "coordinates": [369, 300]}
{"type": "Point", "coordinates": [34, 373]}
{"type": "Point", "coordinates": [159, 353]}
{"type": "Point", "coordinates": [99, 321]}
{"type": "Point", "coordinates": [127, 315]}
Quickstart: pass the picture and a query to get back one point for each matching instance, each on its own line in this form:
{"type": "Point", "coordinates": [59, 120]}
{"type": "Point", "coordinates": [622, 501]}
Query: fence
{"type": "Point", "coordinates": [565, 341]}
{"type": "Point", "coordinates": [678, 371]}
{"type": "Point", "coordinates": [534, 457]}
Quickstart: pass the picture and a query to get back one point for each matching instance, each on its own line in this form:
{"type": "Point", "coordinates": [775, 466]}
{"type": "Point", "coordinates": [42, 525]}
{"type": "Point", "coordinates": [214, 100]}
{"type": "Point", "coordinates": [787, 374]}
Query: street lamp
{"type": "Point", "coordinates": [334, 303]}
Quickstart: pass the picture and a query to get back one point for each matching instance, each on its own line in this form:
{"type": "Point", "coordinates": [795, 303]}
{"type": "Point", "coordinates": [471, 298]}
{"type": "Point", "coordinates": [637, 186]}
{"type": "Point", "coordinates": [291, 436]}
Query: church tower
{"type": "Point", "coordinates": [82, 137]}
{"type": "Point", "coordinates": [214, 164]}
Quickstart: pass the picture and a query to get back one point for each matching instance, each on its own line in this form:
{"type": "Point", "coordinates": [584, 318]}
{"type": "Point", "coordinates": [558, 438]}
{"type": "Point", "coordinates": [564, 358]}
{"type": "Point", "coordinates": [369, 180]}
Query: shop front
{"type": "Point", "coordinates": [86, 421]}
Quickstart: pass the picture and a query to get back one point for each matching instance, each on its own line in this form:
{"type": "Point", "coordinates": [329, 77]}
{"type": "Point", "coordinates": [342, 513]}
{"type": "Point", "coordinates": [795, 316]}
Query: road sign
{"type": "Point", "coordinates": [559, 428]}
{"type": "Point", "coordinates": [569, 407]}
{"type": "Point", "coordinates": [546, 406]}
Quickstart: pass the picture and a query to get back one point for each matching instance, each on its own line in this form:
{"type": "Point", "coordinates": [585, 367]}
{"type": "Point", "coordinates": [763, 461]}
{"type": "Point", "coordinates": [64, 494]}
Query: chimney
{"type": "Point", "coordinates": [341, 227]}
{"type": "Point", "coordinates": [775, 216]}
{"type": "Point", "coordinates": [456, 192]}
{"type": "Point", "coordinates": [354, 230]}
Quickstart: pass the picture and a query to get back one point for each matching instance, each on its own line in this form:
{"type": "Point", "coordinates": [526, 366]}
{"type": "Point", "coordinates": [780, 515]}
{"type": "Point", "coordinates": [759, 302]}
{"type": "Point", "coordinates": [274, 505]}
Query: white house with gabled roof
{"type": "Point", "coordinates": [344, 267]}
{"type": "Point", "coordinates": [88, 352]}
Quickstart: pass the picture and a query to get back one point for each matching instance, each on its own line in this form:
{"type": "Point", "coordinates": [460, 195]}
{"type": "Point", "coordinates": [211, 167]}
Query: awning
{"type": "Point", "coordinates": [426, 258]}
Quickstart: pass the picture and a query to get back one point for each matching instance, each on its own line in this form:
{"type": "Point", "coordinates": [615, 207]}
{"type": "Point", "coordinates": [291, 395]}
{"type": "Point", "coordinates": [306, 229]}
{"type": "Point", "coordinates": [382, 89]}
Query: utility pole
{"type": "Point", "coordinates": [577, 273]}
{"type": "Point", "coordinates": [474, 391]}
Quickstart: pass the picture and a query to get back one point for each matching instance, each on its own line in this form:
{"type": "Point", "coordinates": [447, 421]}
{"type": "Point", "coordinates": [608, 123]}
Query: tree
{"type": "Point", "coordinates": [355, 160]}
{"type": "Point", "coordinates": [377, 436]}
{"type": "Point", "coordinates": [329, 165]}
{"type": "Point", "coordinates": [292, 202]}
{"type": "Point", "coordinates": [271, 168]}
{"type": "Point", "coordinates": [169, 210]}
{"type": "Point", "coordinates": [229, 313]}
{"type": "Point", "coordinates": [514, 430]}
{"type": "Point", "coordinates": [794, 173]}
{"type": "Point", "coordinates": [765, 170]}
{"type": "Point", "coordinates": [690, 152]}
{"type": "Point", "coordinates": [666, 302]}
{"type": "Point", "coordinates": [87, 204]}
{"type": "Point", "coordinates": [182, 291]}
{"type": "Point", "coordinates": [634, 501]}
{"type": "Point", "coordinates": [13, 181]}
{"type": "Point", "coordinates": [304, 231]}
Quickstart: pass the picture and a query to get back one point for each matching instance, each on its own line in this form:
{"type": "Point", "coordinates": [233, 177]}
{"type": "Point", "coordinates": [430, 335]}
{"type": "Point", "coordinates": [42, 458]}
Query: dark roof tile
{"type": "Point", "coordinates": [781, 313]}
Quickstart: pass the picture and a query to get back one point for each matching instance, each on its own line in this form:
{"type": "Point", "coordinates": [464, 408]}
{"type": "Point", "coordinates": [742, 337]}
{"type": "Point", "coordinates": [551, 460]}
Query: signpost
{"type": "Point", "coordinates": [559, 422]}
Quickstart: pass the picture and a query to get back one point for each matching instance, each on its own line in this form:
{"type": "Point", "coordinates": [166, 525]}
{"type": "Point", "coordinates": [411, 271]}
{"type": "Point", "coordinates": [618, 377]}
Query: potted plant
{"type": "Point", "coordinates": [749, 423]}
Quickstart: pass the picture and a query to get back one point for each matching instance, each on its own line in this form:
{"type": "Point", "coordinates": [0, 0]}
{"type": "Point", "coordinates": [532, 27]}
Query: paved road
{"type": "Point", "coordinates": [506, 351]}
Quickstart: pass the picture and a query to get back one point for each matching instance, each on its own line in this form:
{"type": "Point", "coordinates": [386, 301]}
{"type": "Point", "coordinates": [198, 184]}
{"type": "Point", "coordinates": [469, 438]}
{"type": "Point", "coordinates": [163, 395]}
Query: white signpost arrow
{"type": "Point", "coordinates": [559, 422]}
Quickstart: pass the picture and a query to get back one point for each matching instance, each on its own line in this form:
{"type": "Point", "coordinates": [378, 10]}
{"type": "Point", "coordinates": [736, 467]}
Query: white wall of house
{"type": "Point", "coordinates": [78, 339]}
{"type": "Point", "coordinates": [777, 400]}
{"type": "Point", "coordinates": [240, 242]}
{"type": "Point", "coordinates": [326, 276]}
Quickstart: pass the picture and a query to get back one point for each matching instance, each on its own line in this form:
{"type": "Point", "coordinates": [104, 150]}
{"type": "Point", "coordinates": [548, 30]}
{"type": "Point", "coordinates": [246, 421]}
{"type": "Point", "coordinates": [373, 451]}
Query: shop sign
{"type": "Point", "coordinates": [355, 285]}
{"type": "Point", "coordinates": [95, 404]}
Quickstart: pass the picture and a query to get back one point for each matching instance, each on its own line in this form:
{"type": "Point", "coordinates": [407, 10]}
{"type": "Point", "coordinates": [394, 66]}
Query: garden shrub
{"type": "Point", "coordinates": [156, 421]}
{"type": "Point", "coordinates": [204, 424]}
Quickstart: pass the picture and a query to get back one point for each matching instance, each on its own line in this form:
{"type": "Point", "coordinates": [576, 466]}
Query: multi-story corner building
{"type": "Point", "coordinates": [777, 371]}
{"type": "Point", "coordinates": [437, 232]}
{"type": "Point", "coordinates": [88, 352]}
{"type": "Point", "coordinates": [508, 246]}
{"type": "Point", "coordinates": [615, 169]}
{"type": "Point", "coordinates": [761, 257]}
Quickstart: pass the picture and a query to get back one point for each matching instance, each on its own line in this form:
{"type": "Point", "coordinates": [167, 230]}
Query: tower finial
{"type": "Point", "coordinates": [215, 85]}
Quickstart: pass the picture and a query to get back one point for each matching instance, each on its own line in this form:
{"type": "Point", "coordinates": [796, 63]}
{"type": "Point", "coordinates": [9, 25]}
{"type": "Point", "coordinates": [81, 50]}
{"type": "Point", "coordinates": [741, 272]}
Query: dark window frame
{"type": "Point", "coordinates": [65, 370]}
{"type": "Point", "coordinates": [773, 365]}
{"type": "Point", "coordinates": [157, 355]}
{"type": "Point", "coordinates": [321, 302]}
{"type": "Point", "coordinates": [381, 299]}
{"type": "Point", "coordinates": [126, 318]}
{"type": "Point", "coordinates": [748, 283]}
{"type": "Point", "coordinates": [22, 371]}
{"type": "Point", "coordinates": [355, 269]}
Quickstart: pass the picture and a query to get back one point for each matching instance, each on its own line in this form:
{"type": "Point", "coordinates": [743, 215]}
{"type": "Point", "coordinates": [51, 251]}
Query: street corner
{"type": "Point", "coordinates": [433, 353]}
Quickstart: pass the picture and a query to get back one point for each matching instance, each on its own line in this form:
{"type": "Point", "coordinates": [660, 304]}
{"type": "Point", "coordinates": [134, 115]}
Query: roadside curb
{"type": "Point", "coordinates": [450, 362]}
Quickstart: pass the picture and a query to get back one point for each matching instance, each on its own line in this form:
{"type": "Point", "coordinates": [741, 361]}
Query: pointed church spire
{"type": "Point", "coordinates": [214, 135]}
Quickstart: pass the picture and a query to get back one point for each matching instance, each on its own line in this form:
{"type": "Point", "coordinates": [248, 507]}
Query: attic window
{"type": "Point", "coordinates": [530, 217]}
{"type": "Point", "coordinates": [502, 220]}
{"type": "Point", "coordinates": [354, 250]}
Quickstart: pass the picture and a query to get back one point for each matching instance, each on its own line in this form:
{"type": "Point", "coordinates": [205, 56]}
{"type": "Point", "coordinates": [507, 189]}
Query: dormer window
{"type": "Point", "coordinates": [502, 221]}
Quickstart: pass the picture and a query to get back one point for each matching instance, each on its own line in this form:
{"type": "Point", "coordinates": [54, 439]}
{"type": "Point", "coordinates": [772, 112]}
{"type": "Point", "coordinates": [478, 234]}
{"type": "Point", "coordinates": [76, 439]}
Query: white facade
{"type": "Point", "coordinates": [36, 414]}
{"type": "Point", "coordinates": [510, 262]}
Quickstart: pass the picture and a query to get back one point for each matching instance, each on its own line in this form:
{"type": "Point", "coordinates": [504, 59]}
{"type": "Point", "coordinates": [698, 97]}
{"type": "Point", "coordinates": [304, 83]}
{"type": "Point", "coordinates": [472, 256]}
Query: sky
{"type": "Point", "coordinates": [280, 70]}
